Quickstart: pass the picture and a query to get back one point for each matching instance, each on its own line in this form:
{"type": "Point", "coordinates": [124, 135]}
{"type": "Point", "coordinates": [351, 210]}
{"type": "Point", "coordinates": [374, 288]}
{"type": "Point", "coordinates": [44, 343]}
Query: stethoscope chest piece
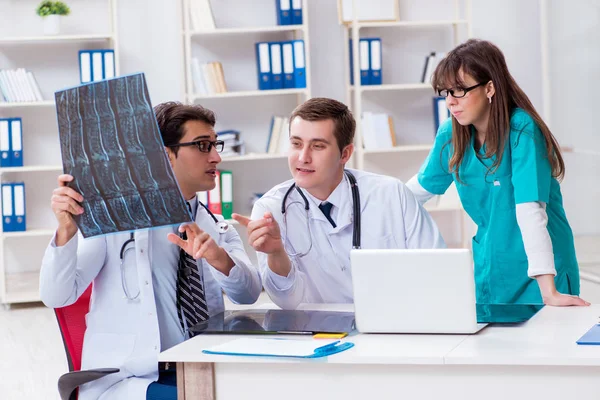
{"type": "Point", "coordinates": [222, 227]}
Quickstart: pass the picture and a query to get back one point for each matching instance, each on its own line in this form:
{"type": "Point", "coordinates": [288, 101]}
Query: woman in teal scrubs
{"type": "Point", "coordinates": [506, 164]}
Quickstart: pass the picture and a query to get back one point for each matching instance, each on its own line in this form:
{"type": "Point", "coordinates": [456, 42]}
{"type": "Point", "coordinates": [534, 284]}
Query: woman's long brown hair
{"type": "Point", "coordinates": [485, 62]}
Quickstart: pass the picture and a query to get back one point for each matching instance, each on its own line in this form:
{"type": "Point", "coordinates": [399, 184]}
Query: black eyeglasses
{"type": "Point", "coordinates": [203, 145]}
{"type": "Point", "coordinates": [459, 92]}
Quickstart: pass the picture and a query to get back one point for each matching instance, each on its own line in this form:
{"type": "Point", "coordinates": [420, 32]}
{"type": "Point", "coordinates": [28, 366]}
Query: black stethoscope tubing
{"type": "Point", "coordinates": [355, 206]}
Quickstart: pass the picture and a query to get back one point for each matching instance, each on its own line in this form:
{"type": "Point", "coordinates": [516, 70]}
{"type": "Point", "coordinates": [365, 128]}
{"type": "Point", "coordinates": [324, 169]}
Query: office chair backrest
{"type": "Point", "coordinates": [71, 320]}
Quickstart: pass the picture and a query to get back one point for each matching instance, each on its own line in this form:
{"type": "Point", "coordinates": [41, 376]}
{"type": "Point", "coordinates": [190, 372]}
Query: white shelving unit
{"type": "Point", "coordinates": [405, 44]}
{"type": "Point", "coordinates": [244, 107]}
{"type": "Point", "coordinates": [54, 62]}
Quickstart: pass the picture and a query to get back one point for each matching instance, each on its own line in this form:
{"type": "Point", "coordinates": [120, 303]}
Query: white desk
{"type": "Point", "coordinates": [535, 360]}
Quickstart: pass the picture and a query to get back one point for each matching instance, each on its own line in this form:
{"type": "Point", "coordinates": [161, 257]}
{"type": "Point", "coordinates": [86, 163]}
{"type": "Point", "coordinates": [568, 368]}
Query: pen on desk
{"type": "Point", "coordinates": [294, 333]}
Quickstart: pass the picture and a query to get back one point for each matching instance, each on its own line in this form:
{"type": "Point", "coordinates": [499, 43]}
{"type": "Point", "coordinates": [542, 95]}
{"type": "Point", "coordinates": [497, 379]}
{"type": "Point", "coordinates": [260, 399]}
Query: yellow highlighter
{"type": "Point", "coordinates": [330, 335]}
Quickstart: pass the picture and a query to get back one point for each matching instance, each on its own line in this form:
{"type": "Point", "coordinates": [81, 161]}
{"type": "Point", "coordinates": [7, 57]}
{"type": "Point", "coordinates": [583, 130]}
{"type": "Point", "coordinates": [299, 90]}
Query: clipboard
{"type": "Point", "coordinates": [591, 337]}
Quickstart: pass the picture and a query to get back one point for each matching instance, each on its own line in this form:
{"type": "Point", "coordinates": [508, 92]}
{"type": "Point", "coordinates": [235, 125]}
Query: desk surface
{"type": "Point", "coordinates": [547, 339]}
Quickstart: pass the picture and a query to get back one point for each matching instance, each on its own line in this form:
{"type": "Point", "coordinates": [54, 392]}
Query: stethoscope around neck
{"type": "Point", "coordinates": [355, 214]}
{"type": "Point", "coordinates": [222, 227]}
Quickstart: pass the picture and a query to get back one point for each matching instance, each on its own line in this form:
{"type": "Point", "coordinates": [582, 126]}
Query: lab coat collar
{"type": "Point", "coordinates": [341, 197]}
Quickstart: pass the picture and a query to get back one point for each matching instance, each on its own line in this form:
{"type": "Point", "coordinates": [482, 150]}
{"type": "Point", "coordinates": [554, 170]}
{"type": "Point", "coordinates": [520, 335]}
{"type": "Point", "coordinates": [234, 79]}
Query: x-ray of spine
{"type": "Point", "coordinates": [111, 144]}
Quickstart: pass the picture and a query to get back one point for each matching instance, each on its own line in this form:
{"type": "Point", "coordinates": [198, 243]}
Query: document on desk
{"type": "Point", "coordinates": [279, 348]}
{"type": "Point", "coordinates": [111, 145]}
{"type": "Point", "coordinates": [591, 337]}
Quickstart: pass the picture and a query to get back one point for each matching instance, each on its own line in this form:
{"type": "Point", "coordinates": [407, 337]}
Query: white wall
{"type": "Point", "coordinates": [574, 38]}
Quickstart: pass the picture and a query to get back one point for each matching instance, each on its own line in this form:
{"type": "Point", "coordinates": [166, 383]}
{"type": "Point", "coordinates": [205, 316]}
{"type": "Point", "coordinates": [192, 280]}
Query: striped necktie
{"type": "Point", "coordinates": [191, 298]}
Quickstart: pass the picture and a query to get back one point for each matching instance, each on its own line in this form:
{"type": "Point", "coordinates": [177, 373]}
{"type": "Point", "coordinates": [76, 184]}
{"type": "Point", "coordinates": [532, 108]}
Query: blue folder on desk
{"type": "Point", "coordinates": [280, 347]}
{"type": "Point", "coordinates": [591, 337]}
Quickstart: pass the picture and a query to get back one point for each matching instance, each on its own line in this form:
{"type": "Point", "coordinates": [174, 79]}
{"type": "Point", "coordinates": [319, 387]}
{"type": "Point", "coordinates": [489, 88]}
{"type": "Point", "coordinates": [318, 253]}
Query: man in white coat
{"type": "Point", "coordinates": [305, 257]}
{"type": "Point", "coordinates": [135, 307]}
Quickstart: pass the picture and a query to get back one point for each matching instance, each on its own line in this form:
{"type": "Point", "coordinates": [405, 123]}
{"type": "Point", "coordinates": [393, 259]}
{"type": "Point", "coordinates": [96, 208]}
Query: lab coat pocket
{"type": "Point", "coordinates": [107, 350]}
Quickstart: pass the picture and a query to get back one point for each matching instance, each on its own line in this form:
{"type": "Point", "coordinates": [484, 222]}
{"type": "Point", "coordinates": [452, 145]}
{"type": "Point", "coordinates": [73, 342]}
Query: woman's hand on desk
{"type": "Point", "coordinates": [552, 297]}
{"type": "Point", "coordinates": [200, 244]}
{"type": "Point", "coordinates": [65, 203]}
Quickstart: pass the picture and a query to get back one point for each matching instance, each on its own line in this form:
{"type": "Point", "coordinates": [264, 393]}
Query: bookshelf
{"type": "Point", "coordinates": [54, 62]}
{"type": "Point", "coordinates": [405, 44]}
{"type": "Point", "coordinates": [238, 26]}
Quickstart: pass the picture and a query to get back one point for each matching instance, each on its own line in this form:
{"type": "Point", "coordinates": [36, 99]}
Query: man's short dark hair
{"type": "Point", "coordinates": [172, 115]}
{"type": "Point", "coordinates": [321, 109]}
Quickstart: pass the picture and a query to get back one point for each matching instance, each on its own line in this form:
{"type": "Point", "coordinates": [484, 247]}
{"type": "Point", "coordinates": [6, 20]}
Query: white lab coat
{"type": "Point", "coordinates": [122, 333]}
{"type": "Point", "coordinates": [391, 218]}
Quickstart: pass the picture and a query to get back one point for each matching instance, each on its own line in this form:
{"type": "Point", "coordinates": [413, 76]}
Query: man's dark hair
{"type": "Point", "coordinates": [322, 109]}
{"type": "Point", "coordinates": [172, 115]}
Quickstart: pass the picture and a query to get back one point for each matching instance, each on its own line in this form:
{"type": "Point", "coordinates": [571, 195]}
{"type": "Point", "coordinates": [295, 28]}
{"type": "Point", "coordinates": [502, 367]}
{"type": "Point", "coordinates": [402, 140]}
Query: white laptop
{"type": "Point", "coordinates": [414, 291]}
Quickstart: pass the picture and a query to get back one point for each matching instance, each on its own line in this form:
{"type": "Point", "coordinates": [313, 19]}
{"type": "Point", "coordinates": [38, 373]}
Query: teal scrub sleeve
{"type": "Point", "coordinates": [434, 175]}
{"type": "Point", "coordinates": [531, 170]}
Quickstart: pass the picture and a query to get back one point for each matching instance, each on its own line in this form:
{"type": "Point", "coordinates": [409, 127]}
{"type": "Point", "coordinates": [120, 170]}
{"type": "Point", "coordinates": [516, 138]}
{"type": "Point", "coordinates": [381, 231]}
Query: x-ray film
{"type": "Point", "coordinates": [111, 144]}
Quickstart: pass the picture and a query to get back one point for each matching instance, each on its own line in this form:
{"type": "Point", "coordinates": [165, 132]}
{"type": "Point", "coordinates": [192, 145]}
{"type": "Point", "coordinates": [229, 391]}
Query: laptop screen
{"type": "Point", "coordinates": [277, 321]}
{"type": "Point", "coordinates": [506, 313]}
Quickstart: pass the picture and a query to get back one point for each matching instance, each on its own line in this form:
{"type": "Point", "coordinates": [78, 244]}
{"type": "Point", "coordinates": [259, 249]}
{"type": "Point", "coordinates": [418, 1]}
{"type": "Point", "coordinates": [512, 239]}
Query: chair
{"type": "Point", "coordinates": [71, 321]}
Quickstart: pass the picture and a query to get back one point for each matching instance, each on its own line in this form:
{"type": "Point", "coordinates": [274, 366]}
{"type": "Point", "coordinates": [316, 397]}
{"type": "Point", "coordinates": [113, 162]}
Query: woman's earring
{"type": "Point", "coordinates": [490, 99]}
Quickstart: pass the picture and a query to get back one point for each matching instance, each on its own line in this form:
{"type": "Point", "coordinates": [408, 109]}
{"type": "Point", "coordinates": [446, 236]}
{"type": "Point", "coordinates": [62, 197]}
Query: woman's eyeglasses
{"type": "Point", "coordinates": [458, 92]}
{"type": "Point", "coordinates": [203, 145]}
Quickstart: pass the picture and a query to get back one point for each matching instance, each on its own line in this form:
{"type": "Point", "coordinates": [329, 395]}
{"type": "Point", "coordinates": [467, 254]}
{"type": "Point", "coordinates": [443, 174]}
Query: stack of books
{"type": "Point", "coordinates": [208, 78]}
{"type": "Point", "coordinates": [378, 131]}
{"type": "Point", "coordinates": [18, 85]}
{"type": "Point", "coordinates": [233, 145]}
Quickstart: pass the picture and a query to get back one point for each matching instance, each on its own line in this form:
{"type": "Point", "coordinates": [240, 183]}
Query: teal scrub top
{"type": "Point", "coordinates": [524, 175]}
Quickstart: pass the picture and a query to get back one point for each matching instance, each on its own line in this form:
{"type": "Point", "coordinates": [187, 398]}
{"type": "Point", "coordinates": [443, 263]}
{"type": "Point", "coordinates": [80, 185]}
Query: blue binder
{"type": "Point", "coordinates": [279, 348]}
{"type": "Point", "coordinates": [364, 61]}
{"type": "Point", "coordinates": [85, 66]}
{"type": "Point", "coordinates": [287, 56]}
{"type": "Point", "coordinates": [5, 147]}
{"type": "Point", "coordinates": [276, 65]}
{"type": "Point", "coordinates": [263, 65]}
{"type": "Point", "coordinates": [19, 206]}
{"type": "Point", "coordinates": [375, 61]}
{"type": "Point", "coordinates": [284, 12]}
{"type": "Point", "coordinates": [7, 208]}
{"type": "Point", "coordinates": [296, 12]}
{"type": "Point", "coordinates": [299, 64]}
{"type": "Point", "coordinates": [591, 337]}
{"type": "Point", "coordinates": [108, 63]}
{"type": "Point", "coordinates": [16, 142]}
{"type": "Point", "coordinates": [440, 112]}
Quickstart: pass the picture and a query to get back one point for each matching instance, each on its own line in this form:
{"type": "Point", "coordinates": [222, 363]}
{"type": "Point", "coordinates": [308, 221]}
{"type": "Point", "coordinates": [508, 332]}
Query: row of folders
{"type": "Point", "coordinates": [96, 65]}
{"type": "Point", "coordinates": [369, 61]}
{"type": "Point", "coordinates": [281, 65]}
{"type": "Point", "coordinates": [13, 207]}
{"type": "Point", "coordinates": [11, 142]}
{"type": "Point", "coordinates": [289, 12]}
{"type": "Point", "coordinates": [220, 199]}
